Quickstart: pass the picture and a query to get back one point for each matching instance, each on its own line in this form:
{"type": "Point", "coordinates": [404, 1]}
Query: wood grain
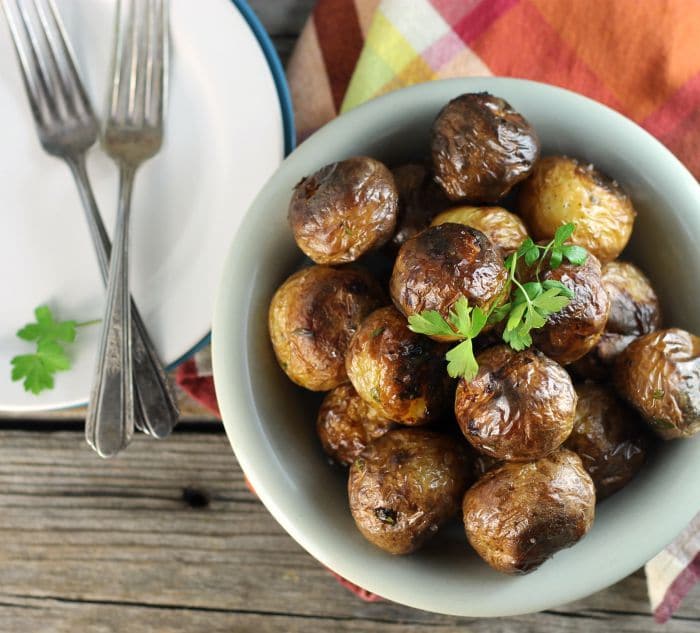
{"type": "Point", "coordinates": [92, 545]}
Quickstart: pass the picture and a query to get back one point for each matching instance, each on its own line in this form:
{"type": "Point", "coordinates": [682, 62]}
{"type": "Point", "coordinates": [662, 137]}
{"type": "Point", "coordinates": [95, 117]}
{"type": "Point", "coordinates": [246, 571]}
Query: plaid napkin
{"type": "Point", "coordinates": [640, 58]}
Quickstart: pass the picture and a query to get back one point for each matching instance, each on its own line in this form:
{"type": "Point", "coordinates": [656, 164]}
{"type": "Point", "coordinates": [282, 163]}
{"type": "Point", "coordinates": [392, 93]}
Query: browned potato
{"type": "Point", "coordinates": [505, 229]}
{"type": "Point", "coordinates": [634, 310]}
{"type": "Point", "coordinates": [420, 198]}
{"type": "Point", "coordinates": [561, 190]}
{"type": "Point", "coordinates": [404, 486]}
{"type": "Point", "coordinates": [481, 147]}
{"type": "Point", "coordinates": [659, 374]}
{"type": "Point", "coordinates": [609, 438]}
{"type": "Point", "coordinates": [573, 331]}
{"type": "Point", "coordinates": [519, 515]}
{"type": "Point", "coordinates": [400, 373]}
{"type": "Point", "coordinates": [312, 317]}
{"type": "Point", "coordinates": [344, 210]}
{"type": "Point", "coordinates": [520, 406]}
{"type": "Point", "coordinates": [346, 424]}
{"type": "Point", "coordinates": [441, 264]}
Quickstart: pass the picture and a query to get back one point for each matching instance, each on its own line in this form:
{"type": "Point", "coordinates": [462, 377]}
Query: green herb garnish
{"type": "Point", "coordinates": [525, 304]}
{"type": "Point", "coordinates": [37, 369]}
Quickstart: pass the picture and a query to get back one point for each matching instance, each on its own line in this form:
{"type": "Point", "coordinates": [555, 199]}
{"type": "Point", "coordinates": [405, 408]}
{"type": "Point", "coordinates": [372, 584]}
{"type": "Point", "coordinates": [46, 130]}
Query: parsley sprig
{"type": "Point", "coordinates": [525, 305]}
{"type": "Point", "coordinates": [37, 370]}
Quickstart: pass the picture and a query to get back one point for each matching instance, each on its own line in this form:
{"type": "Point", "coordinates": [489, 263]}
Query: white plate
{"type": "Point", "coordinates": [224, 137]}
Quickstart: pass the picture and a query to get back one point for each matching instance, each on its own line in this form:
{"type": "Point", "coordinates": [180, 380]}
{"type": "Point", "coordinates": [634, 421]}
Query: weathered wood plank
{"type": "Point", "coordinates": [80, 536]}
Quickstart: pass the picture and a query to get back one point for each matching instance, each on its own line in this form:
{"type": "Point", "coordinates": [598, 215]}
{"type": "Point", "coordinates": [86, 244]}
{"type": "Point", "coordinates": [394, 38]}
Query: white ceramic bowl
{"type": "Point", "coordinates": [271, 423]}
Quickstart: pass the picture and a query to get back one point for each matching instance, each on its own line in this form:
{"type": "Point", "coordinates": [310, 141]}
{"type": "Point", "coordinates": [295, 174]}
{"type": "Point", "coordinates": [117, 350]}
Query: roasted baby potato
{"type": "Point", "coordinates": [518, 515]}
{"type": "Point", "coordinates": [481, 147]}
{"type": "Point", "coordinates": [634, 310]}
{"type": "Point", "coordinates": [562, 190]}
{"type": "Point", "coordinates": [344, 210]}
{"type": "Point", "coordinates": [346, 424]}
{"type": "Point", "coordinates": [311, 319]}
{"type": "Point", "coordinates": [659, 374]}
{"type": "Point", "coordinates": [420, 198]}
{"type": "Point", "coordinates": [505, 229]}
{"type": "Point", "coordinates": [609, 437]}
{"type": "Point", "coordinates": [441, 264]}
{"type": "Point", "coordinates": [400, 373]}
{"type": "Point", "coordinates": [404, 486]}
{"type": "Point", "coordinates": [520, 406]}
{"type": "Point", "coordinates": [573, 331]}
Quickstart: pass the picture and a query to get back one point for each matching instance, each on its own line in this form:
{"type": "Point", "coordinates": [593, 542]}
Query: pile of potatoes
{"type": "Point", "coordinates": [528, 446]}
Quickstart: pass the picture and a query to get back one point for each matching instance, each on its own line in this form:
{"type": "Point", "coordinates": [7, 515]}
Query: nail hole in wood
{"type": "Point", "coordinates": [195, 498]}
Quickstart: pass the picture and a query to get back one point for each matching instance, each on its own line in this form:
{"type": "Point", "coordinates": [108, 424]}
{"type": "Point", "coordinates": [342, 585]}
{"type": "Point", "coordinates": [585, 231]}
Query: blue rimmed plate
{"type": "Point", "coordinates": [229, 126]}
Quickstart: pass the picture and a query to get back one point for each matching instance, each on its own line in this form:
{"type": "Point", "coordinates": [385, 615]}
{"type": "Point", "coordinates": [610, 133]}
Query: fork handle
{"type": "Point", "coordinates": [109, 424]}
{"type": "Point", "coordinates": [156, 411]}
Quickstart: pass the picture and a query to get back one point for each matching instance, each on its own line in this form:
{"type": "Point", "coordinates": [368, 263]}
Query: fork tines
{"type": "Point", "coordinates": [139, 60]}
{"type": "Point", "coordinates": [48, 67]}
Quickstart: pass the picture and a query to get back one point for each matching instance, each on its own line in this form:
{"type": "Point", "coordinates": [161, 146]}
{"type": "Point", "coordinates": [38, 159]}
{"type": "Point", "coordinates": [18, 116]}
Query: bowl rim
{"type": "Point", "coordinates": [234, 390]}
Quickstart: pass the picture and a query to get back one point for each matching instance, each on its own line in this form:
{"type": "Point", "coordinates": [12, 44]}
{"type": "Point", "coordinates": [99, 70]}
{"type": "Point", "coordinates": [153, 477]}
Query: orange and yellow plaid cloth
{"type": "Point", "coordinates": [640, 57]}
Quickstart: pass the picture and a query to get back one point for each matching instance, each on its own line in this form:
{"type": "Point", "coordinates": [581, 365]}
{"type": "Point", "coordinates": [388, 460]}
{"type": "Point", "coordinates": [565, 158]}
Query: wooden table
{"type": "Point", "coordinates": [167, 538]}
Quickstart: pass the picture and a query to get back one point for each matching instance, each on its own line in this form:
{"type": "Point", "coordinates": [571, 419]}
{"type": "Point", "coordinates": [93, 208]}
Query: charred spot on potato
{"type": "Point", "coordinates": [481, 147]}
{"type": "Point", "coordinates": [385, 515]}
{"type": "Point", "coordinates": [344, 210]}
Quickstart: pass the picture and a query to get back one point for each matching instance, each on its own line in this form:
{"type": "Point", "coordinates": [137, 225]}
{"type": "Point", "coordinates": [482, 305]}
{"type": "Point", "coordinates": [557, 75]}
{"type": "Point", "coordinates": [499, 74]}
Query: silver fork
{"type": "Point", "coordinates": [132, 133]}
{"type": "Point", "coordinates": [67, 128]}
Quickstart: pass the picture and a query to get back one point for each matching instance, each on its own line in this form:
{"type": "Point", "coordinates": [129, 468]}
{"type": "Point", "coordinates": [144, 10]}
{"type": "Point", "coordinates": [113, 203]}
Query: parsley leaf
{"type": "Point", "coordinates": [46, 328]}
{"type": "Point", "coordinates": [575, 254]}
{"type": "Point", "coordinates": [461, 361]}
{"type": "Point", "coordinates": [563, 233]}
{"type": "Point", "coordinates": [430, 323]}
{"type": "Point", "coordinates": [37, 369]}
{"type": "Point", "coordinates": [550, 301]}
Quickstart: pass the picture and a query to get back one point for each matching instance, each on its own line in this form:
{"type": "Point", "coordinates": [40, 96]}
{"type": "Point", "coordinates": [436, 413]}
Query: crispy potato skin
{"type": "Point", "coordinates": [441, 264]}
{"type": "Point", "coordinates": [634, 310]}
{"type": "Point", "coordinates": [519, 407]}
{"type": "Point", "coordinates": [344, 210]}
{"type": "Point", "coordinates": [503, 228]}
{"type": "Point", "coordinates": [404, 486]}
{"type": "Point", "coordinates": [311, 319]}
{"type": "Point", "coordinates": [609, 438]}
{"type": "Point", "coordinates": [481, 147]}
{"type": "Point", "coordinates": [399, 373]}
{"type": "Point", "coordinates": [420, 198]}
{"type": "Point", "coordinates": [659, 374]}
{"type": "Point", "coordinates": [346, 424]}
{"type": "Point", "coordinates": [518, 515]}
{"type": "Point", "coordinates": [573, 331]}
{"type": "Point", "coordinates": [562, 190]}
